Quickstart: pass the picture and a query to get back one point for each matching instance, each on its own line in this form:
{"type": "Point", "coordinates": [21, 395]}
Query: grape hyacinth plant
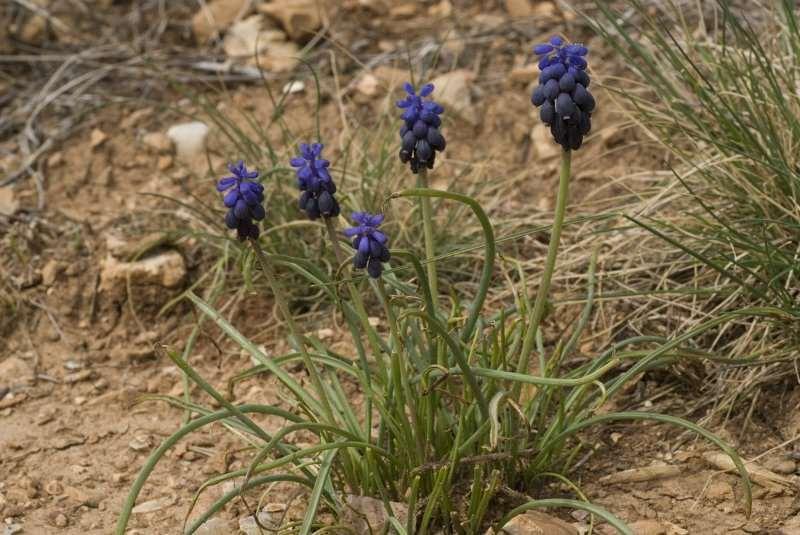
{"type": "Point", "coordinates": [243, 199]}
{"type": "Point", "coordinates": [369, 243]}
{"type": "Point", "coordinates": [315, 182]}
{"type": "Point", "coordinates": [420, 139]}
{"type": "Point", "coordinates": [424, 405]}
{"type": "Point", "coordinates": [566, 106]}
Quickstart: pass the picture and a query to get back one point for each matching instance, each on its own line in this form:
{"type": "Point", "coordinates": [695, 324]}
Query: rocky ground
{"type": "Point", "coordinates": [88, 277]}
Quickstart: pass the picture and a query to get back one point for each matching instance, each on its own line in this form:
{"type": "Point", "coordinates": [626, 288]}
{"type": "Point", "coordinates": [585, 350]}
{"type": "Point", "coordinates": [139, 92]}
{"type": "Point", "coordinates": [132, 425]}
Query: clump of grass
{"type": "Point", "coordinates": [716, 87]}
{"type": "Point", "coordinates": [450, 418]}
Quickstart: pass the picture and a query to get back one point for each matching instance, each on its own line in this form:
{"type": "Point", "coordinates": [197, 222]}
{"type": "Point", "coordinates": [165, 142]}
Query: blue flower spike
{"type": "Point", "coordinates": [243, 198]}
{"type": "Point", "coordinates": [420, 135]}
{"type": "Point", "coordinates": [315, 182]}
{"type": "Point", "coordinates": [369, 242]}
{"type": "Point", "coordinates": [562, 96]}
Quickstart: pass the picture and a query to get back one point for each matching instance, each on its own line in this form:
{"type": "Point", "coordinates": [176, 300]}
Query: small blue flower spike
{"type": "Point", "coordinates": [317, 197]}
{"type": "Point", "coordinates": [420, 135]}
{"type": "Point", "coordinates": [243, 199]}
{"type": "Point", "coordinates": [562, 96]}
{"type": "Point", "coordinates": [369, 243]}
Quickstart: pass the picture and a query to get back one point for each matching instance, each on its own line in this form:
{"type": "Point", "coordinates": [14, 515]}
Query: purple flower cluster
{"type": "Point", "coordinates": [317, 197]}
{"type": "Point", "coordinates": [244, 200]}
{"type": "Point", "coordinates": [420, 134]}
{"type": "Point", "coordinates": [562, 94]}
{"type": "Point", "coordinates": [369, 243]}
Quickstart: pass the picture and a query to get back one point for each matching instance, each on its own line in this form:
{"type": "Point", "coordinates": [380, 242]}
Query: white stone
{"type": "Point", "coordinates": [166, 269]}
{"type": "Point", "coordinates": [189, 139]}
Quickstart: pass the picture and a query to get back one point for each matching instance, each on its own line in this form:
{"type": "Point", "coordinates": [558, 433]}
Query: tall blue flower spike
{"type": "Point", "coordinates": [243, 199]}
{"type": "Point", "coordinates": [420, 134]}
{"type": "Point", "coordinates": [369, 243]}
{"type": "Point", "coordinates": [562, 96]}
{"type": "Point", "coordinates": [317, 197]}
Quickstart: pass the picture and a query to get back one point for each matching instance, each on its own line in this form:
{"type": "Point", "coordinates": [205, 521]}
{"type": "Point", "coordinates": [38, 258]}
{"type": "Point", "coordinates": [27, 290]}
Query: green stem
{"type": "Point", "coordinates": [293, 330]}
{"type": "Point", "coordinates": [355, 297]}
{"type": "Point", "coordinates": [427, 228]}
{"type": "Point", "coordinates": [398, 365]}
{"type": "Point", "coordinates": [537, 313]}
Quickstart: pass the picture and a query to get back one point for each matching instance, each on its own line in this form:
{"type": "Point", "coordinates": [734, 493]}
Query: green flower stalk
{"type": "Point", "coordinates": [566, 106]}
{"type": "Point", "coordinates": [421, 139]}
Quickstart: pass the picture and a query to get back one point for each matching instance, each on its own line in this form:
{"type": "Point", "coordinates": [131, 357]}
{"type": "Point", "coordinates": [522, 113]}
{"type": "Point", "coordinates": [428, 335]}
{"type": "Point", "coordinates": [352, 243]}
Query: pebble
{"type": "Point", "coordinates": [298, 18]}
{"type": "Point", "coordinates": [648, 527]}
{"type": "Point", "coordinates": [158, 142]}
{"type": "Point", "coordinates": [60, 520]}
{"type": "Point", "coordinates": [190, 140]}
{"type": "Point", "coordinates": [97, 138]}
{"type": "Point", "coordinates": [248, 525]}
{"type": "Point", "coordinates": [140, 443]}
{"type": "Point", "coordinates": [537, 522]}
{"type": "Point", "coordinates": [152, 506]}
{"type": "Point", "coordinates": [519, 8]}
{"type": "Point", "coordinates": [215, 16]}
{"type": "Point", "coordinates": [782, 466]}
{"type": "Point", "coordinates": [8, 202]}
{"type": "Point", "coordinates": [453, 92]}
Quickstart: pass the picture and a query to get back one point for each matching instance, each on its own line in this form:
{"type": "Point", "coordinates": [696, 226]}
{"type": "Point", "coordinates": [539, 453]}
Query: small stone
{"type": "Point", "coordinates": [166, 269]}
{"type": "Point", "coordinates": [53, 488]}
{"type": "Point", "coordinates": [97, 138]}
{"type": "Point", "coordinates": [544, 8]}
{"type": "Point", "coordinates": [140, 443]}
{"type": "Point", "coordinates": [77, 377]}
{"type": "Point", "coordinates": [190, 140]}
{"type": "Point", "coordinates": [60, 520]}
{"type": "Point", "coordinates": [51, 271]}
{"type": "Point", "coordinates": [519, 8]}
{"type": "Point", "coordinates": [781, 465]}
{"type": "Point", "coordinates": [325, 334]}
{"type": "Point", "coordinates": [295, 86]}
{"type": "Point", "coordinates": [719, 490]}
{"type": "Point", "coordinates": [648, 527]}
{"type": "Point", "coordinates": [368, 85]}
{"type": "Point", "coordinates": [8, 202]}
{"type": "Point", "coordinates": [363, 514]}
{"type": "Point", "coordinates": [248, 524]}
{"type": "Point", "coordinates": [158, 142]}
{"type": "Point", "coordinates": [453, 92]}
{"type": "Point", "coordinates": [537, 523]}
{"type": "Point", "coordinates": [151, 506]}
{"type": "Point", "coordinates": [214, 526]}
{"type": "Point", "coordinates": [752, 527]}
{"type": "Point", "coordinates": [15, 373]}
{"type": "Point", "coordinates": [298, 18]}
{"type": "Point", "coordinates": [409, 9]}
{"type": "Point", "coordinates": [55, 159]}
{"type": "Point", "coordinates": [164, 162]}
{"type": "Point", "coordinates": [443, 9]}
{"type": "Point", "coordinates": [215, 16]}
